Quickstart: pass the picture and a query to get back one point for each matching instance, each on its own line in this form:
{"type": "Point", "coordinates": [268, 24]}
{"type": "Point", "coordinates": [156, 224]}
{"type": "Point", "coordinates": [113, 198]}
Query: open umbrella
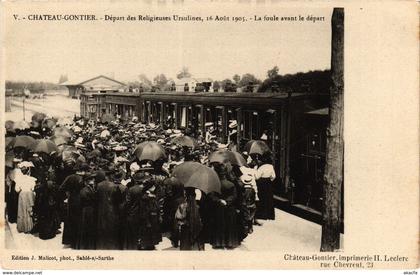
{"type": "Point", "coordinates": [44, 145]}
{"type": "Point", "coordinates": [149, 150]}
{"type": "Point", "coordinates": [194, 174]}
{"type": "Point", "coordinates": [219, 157]}
{"type": "Point", "coordinates": [257, 147]}
{"type": "Point", "coordinates": [236, 158]}
{"type": "Point", "coordinates": [23, 141]}
{"type": "Point", "coordinates": [185, 141]}
{"type": "Point", "coordinates": [39, 117]}
{"type": "Point", "coordinates": [107, 118]}
{"type": "Point", "coordinates": [21, 125]}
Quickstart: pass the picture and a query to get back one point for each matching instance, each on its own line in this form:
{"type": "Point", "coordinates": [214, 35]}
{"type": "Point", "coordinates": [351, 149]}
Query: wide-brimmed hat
{"type": "Point", "coordinates": [233, 124]}
{"type": "Point", "coordinates": [25, 164]}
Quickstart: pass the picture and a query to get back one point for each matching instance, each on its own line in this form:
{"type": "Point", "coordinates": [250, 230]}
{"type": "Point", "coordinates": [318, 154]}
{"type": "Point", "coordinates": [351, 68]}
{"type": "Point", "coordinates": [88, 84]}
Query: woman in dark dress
{"type": "Point", "coordinates": [188, 222]}
{"type": "Point", "coordinates": [110, 196]}
{"type": "Point", "coordinates": [225, 226]}
{"type": "Point", "coordinates": [133, 206]}
{"type": "Point", "coordinates": [72, 186]}
{"type": "Point", "coordinates": [11, 196]}
{"type": "Point", "coordinates": [150, 234]}
{"type": "Point", "coordinates": [174, 197]}
{"type": "Point", "coordinates": [48, 211]}
{"type": "Point", "coordinates": [87, 228]}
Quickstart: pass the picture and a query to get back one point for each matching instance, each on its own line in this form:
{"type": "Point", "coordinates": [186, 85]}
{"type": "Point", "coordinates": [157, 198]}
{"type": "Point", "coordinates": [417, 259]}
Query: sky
{"type": "Point", "coordinates": [43, 50]}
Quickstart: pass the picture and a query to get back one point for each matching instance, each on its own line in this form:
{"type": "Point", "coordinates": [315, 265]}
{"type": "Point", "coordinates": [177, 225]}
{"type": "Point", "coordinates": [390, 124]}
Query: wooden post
{"type": "Point", "coordinates": [333, 175]}
{"type": "Point", "coordinates": [162, 114]}
{"type": "Point", "coordinates": [225, 125]}
{"type": "Point", "coordinates": [176, 115]}
{"type": "Point", "coordinates": [202, 120]}
{"type": "Point", "coordinates": [238, 128]}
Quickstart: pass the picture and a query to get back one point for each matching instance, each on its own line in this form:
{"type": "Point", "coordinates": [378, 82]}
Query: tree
{"type": "Point", "coordinates": [216, 86]}
{"type": "Point", "coordinates": [183, 73]}
{"type": "Point", "coordinates": [236, 78]}
{"type": "Point", "coordinates": [145, 83]}
{"type": "Point", "coordinates": [160, 81]}
{"type": "Point", "coordinates": [333, 174]}
{"type": "Point", "coordinates": [248, 79]}
{"type": "Point", "coordinates": [273, 72]}
{"type": "Point", "coordinates": [228, 86]}
{"type": "Point", "coordinates": [63, 78]}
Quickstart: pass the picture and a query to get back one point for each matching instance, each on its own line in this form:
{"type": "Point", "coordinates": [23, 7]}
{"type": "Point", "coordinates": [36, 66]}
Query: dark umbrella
{"type": "Point", "coordinates": [23, 141]}
{"type": "Point", "coordinates": [185, 141]}
{"type": "Point", "coordinates": [218, 156]}
{"type": "Point", "coordinates": [44, 145]}
{"type": "Point", "coordinates": [149, 150]}
{"type": "Point", "coordinates": [39, 117]}
{"type": "Point", "coordinates": [236, 158]}
{"type": "Point", "coordinates": [257, 147]}
{"type": "Point", "coordinates": [194, 174]}
{"type": "Point", "coordinates": [107, 118]}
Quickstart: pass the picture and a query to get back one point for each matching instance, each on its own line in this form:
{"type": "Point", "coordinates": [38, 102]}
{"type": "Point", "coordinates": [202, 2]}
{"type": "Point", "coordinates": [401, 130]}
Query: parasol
{"type": "Point", "coordinates": [149, 150]}
{"type": "Point", "coordinates": [219, 157]}
{"type": "Point", "coordinates": [236, 158]}
{"type": "Point", "coordinates": [22, 141]}
{"type": "Point", "coordinates": [185, 141]}
{"type": "Point", "coordinates": [44, 145]}
{"type": "Point", "coordinates": [38, 117]}
{"type": "Point", "coordinates": [194, 174]}
{"type": "Point", "coordinates": [257, 147]}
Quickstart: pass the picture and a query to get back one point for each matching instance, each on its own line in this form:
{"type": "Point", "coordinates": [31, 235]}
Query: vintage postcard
{"type": "Point", "coordinates": [209, 135]}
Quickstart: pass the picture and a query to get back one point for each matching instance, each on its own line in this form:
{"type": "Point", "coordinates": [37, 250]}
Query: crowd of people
{"type": "Point", "coordinates": [111, 184]}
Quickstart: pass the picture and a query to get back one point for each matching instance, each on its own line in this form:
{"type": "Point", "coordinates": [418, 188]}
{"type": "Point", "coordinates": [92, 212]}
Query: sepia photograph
{"type": "Point", "coordinates": [184, 148]}
{"type": "Point", "coordinates": [167, 127]}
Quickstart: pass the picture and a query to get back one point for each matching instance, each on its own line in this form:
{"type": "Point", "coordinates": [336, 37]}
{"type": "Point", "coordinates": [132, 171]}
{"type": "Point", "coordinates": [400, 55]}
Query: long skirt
{"type": "Point", "coordinates": [48, 223]}
{"type": "Point", "coordinates": [224, 231]}
{"type": "Point", "coordinates": [24, 219]}
{"type": "Point", "coordinates": [186, 242]}
{"type": "Point", "coordinates": [132, 232]}
{"type": "Point", "coordinates": [12, 203]}
{"type": "Point", "coordinates": [86, 238]}
{"type": "Point", "coordinates": [265, 207]}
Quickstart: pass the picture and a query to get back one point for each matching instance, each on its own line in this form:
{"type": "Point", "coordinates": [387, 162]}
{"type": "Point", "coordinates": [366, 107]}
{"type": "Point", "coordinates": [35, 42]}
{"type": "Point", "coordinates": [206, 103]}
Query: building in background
{"type": "Point", "coordinates": [99, 84]}
{"type": "Point", "coordinates": [189, 84]}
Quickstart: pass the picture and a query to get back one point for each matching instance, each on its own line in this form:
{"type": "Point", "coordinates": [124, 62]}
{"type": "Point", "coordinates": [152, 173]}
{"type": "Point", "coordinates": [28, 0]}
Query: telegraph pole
{"type": "Point", "coordinates": [333, 175]}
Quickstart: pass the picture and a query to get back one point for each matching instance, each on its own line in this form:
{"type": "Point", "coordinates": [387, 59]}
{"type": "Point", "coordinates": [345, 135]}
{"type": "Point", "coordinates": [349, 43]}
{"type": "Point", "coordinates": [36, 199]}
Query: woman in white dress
{"type": "Point", "coordinates": [25, 185]}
